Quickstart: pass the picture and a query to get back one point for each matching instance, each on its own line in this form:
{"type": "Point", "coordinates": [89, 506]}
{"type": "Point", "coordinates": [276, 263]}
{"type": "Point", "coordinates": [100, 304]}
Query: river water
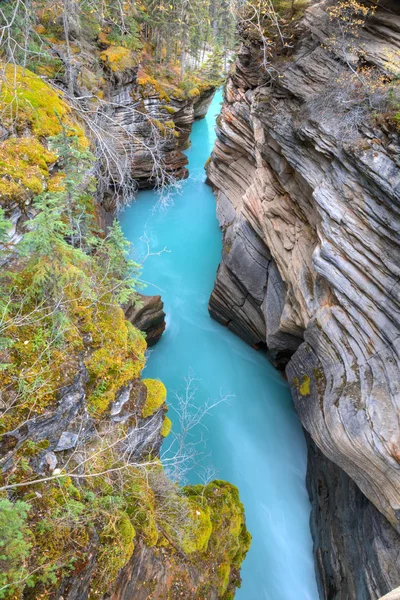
{"type": "Point", "coordinates": [255, 440]}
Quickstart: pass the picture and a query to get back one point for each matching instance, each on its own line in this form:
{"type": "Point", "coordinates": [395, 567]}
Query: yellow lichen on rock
{"type": "Point", "coordinates": [151, 86]}
{"type": "Point", "coordinates": [166, 427]}
{"type": "Point", "coordinates": [118, 58]}
{"type": "Point", "coordinates": [304, 388]}
{"type": "Point", "coordinates": [32, 109]}
{"type": "Point", "coordinates": [28, 102]}
{"type": "Point", "coordinates": [24, 168]}
{"type": "Point", "coordinates": [156, 396]}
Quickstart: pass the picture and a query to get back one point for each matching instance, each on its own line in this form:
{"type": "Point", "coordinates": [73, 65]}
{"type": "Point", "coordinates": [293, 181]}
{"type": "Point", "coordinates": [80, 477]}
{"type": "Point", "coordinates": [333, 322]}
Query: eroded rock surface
{"type": "Point", "coordinates": [148, 316]}
{"type": "Point", "coordinates": [355, 547]}
{"type": "Point", "coordinates": [202, 103]}
{"type": "Point", "coordinates": [310, 214]}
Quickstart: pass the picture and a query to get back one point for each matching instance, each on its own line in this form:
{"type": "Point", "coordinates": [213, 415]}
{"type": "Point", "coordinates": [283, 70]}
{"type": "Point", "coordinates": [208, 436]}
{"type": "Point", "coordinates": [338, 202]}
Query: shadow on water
{"type": "Point", "coordinates": [256, 440]}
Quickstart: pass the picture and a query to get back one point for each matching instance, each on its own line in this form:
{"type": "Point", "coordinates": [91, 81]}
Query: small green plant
{"type": "Point", "coordinates": [15, 545]}
{"type": "Point", "coordinates": [5, 226]}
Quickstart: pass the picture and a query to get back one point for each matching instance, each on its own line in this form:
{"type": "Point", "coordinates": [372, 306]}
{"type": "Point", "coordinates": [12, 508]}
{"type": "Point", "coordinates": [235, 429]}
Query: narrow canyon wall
{"type": "Point", "coordinates": [308, 197]}
{"type": "Point", "coordinates": [72, 420]}
{"type": "Point", "coordinates": [147, 132]}
{"type": "Point", "coordinates": [356, 549]}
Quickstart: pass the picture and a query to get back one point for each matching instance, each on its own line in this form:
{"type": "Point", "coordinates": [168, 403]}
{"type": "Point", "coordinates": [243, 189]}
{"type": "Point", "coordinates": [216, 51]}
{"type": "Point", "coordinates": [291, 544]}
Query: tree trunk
{"type": "Point", "coordinates": [184, 38]}
{"type": "Point", "coordinates": [68, 61]}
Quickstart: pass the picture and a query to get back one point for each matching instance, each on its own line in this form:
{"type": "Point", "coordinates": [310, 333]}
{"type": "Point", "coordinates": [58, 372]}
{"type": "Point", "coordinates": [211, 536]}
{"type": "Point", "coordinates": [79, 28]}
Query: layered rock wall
{"type": "Point", "coordinates": [148, 134]}
{"type": "Point", "coordinates": [308, 198]}
{"type": "Point", "coordinates": [356, 549]}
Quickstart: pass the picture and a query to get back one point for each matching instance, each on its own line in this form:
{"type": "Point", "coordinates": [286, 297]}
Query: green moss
{"type": "Point", "coordinates": [156, 396]}
{"type": "Point", "coordinates": [284, 7]}
{"type": "Point", "coordinates": [31, 448]}
{"type": "Point", "coordinates": [165, 128]}
{"type": "Point", "coordinates": [199, 527]}
{"type": "Point", "coordinates": [193, 93]}
{"type": "Point", "coordinates": [118, 359]}
{"type": "Point", "coordinates": [141, 504]}
{"type": "Point", "coordinates": [29, 105]}
{"type": "Point", "coordinates": [61, 537]}
{"type": "Point", "coordinates": [170, 109]}
{"type": "Point", "coordinates": [396, 119]}
{"type": "Point", "coordinates": [224, 571]}
{"type": "Point", "coordinates": [229, 540]}
{"type": "Point", "coordinates": [166, 427]}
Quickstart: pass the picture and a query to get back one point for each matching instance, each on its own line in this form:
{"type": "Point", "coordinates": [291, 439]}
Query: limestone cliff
{"type": "Point", "coordinates": [308, 199]}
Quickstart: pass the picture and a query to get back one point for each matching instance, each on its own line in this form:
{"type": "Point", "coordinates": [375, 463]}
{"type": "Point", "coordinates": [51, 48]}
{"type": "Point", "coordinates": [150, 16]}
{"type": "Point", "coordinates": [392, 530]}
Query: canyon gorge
{"type": "Point", "coordinates": [305, 171]}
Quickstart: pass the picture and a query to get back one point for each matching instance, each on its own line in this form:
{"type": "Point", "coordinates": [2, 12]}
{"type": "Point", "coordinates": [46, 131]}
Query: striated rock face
{"type": "Point", "coordinates": [356, 549]}
{"type": "Point", "coordinates": [139, 117]}
{"type": "Point", "coordinates": [309, 205]}
{"type": "Point", "coordinates": [202, 102]}
{"type": "Point", "coordinates": [145, 131]}
{"type": "Point", "coordinates": [155, 573]}
{"type": "Point", "coordinates": [148, 316]}
{"type": "Point", "coordinates": [141, 140]}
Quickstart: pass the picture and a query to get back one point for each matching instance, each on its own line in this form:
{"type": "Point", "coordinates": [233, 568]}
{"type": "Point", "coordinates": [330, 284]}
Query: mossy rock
{"type": "Point", "coordinates": [28, 102]}
{"type": "Point", "coordinates": [193, 93]}
{"type": "Point", "coordinates": [197, 534]}
{"type": "Point", "coordinates": [116, 548]}
{"type": "Point", "coordinates": [224, 571]}
{"type": "Point", "coordinates": [149, 86]}
{"type": "Point", "coordinates": [166, 427]}
{"type": "Point", "coordinates": [118, 359]}
{"type": "Point", "coordinates": [141, 508]}
{"type": "Point", "coordinates": [31, 108]}
{"type": "Point", "coordinates": [156, 396]}
{"type": "Point", "coordinates": [119, 59]}
{"type": "Point", "coordinates": [24, 168]}
{"type": "Point", "coordinates": [229, 541]}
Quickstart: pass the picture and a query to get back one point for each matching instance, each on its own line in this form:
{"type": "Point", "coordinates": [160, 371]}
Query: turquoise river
{"type": "Point", "coordinates": [255, 440]}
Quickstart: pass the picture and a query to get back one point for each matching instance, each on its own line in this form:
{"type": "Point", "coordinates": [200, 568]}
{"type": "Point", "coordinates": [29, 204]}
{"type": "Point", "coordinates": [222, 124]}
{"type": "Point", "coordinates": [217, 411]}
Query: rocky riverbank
{"type": "Point", "coordinates": [308, 199]}
{"type": "Point", "coordinates": [86, 508]}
